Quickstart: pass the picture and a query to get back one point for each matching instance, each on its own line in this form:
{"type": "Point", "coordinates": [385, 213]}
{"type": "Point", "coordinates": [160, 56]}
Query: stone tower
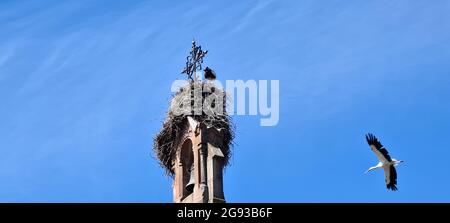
{"type": "Point", "coordinates": [199, 151]}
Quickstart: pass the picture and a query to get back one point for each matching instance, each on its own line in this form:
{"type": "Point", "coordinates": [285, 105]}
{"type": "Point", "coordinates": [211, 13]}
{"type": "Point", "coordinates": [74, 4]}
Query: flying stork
{"type": "Point", "coordinates": [386, 162]}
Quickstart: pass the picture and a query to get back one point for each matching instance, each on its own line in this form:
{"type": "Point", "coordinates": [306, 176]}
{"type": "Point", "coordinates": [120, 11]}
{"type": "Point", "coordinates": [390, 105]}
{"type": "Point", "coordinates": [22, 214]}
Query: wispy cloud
{"type": "Point", "coordinates": [80, 82]}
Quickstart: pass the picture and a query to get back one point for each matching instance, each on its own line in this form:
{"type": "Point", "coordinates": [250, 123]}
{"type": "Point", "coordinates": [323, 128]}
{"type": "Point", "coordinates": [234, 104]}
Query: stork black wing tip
{"type": "Point", "coordinates": [370, 138]}
{"type": "Point", "coordinates": [392, 187]}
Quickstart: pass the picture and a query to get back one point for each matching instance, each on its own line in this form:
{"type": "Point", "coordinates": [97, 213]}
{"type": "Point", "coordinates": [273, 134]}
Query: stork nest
{"type": "Point", "coordinates": [196, 94]}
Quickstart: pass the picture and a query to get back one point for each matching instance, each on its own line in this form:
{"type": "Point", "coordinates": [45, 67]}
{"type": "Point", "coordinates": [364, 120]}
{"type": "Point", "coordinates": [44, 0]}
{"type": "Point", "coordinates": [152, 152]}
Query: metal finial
{"type": "Point", "coordinates": [194, 61]}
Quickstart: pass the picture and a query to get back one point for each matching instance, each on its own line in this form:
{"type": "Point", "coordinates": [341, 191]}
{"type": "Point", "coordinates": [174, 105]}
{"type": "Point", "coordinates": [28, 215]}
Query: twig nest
{"type": "Point", "coordinates": [202, 101]}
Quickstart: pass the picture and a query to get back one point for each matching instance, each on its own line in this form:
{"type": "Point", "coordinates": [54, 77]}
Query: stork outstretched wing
{"type": "Point", "coordinates": [390, 173]}
{"type": "Point", "coordinates": [378, 149]}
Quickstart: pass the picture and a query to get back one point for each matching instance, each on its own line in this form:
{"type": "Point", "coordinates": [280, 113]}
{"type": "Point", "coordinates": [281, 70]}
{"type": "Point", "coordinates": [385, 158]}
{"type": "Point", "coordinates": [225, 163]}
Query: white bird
{"type": "Point", "coordinates": [386, 162]}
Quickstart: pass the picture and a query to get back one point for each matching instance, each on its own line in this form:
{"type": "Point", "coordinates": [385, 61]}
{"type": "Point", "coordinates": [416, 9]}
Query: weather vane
{"type": "Point", "coordinates": [194, 61]}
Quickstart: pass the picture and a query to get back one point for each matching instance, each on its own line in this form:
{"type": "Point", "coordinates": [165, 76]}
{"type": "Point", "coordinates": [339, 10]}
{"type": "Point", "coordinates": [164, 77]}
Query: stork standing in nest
{"type": "Point", "coordinates": [209, 74]}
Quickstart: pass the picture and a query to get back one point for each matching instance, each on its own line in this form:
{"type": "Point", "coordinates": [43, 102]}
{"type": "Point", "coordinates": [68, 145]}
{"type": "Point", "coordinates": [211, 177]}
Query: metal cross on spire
{"type": "Point", "coordinates": [194, 61]}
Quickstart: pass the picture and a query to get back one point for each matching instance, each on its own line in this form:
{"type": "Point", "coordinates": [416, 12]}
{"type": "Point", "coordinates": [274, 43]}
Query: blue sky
{"type": "Point", "coordinates": [84, 87]}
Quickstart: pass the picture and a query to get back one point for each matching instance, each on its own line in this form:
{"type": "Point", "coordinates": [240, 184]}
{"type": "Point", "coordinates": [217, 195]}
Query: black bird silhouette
{"type": "Point", "coordinates": [209, 74]}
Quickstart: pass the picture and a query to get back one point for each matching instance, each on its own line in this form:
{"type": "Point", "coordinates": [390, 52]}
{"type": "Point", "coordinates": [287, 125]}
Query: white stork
{"type": "Point", "coordinates": [386, 162]}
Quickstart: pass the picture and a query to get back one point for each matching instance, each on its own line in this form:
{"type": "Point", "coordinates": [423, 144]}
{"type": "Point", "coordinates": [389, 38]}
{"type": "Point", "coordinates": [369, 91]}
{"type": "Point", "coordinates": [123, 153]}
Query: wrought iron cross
{"type": "Point", "coordinates": [194, 61]}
